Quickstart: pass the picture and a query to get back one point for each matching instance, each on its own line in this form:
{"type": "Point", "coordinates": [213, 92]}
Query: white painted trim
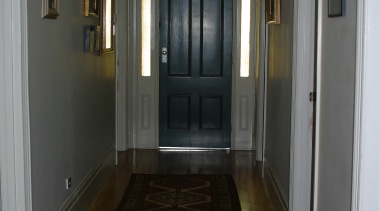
{"type": "Point", "coordinates": [133, 79]}
{"type": "Point", "coordinates": [261, 55]}
{"type": "Point", "coordinates": [318, 104]}
{"type": "Point", "coordinates": [121, 60]}
{"type": "Point", "coordinates": [15, 135]}
{"type": "Point", "coordinates": [235, 64]}
{"type": "Point", "coordinates": [156, 67]}
{"type": "Point", "coordinates": [368, 185]}
{"type": "Point", "coordinates": [358, 104]}
{"type": "Point", "coordinates": [265, 97]}
{"type": "Point", "coordinates": [132, 71]}
{"type": "Point", "coordinates": [302, 109]}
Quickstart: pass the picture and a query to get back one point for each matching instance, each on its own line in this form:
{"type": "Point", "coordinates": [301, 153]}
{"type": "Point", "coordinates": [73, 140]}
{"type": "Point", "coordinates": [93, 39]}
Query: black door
{"type": "Point", "coordinates": [195, 73]}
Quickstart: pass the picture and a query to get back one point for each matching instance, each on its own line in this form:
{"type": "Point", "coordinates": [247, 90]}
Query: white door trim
{"type": "Point", "coordinates": [14, 107]}
{"type": "Point", "coordinates": [302, 109]}
{"type": "Point", "coordinates": [366, 171]}
{"type": "Point", "coordinates": [261, 79]}
{"type": "Point", "coordinates": [318, 104]}
{"type": "Point", "coordinates": [121, 74]}
{"type": "Point", "coordinates": [136, 87]}
{"type": "Point", "coordinates": [360, 45]}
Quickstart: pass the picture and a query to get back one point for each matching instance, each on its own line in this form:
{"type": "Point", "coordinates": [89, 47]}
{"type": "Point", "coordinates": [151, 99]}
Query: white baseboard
{"type": "Point", "coordinates": [254, 143]}
{"type": "Point", "coordinates": [276, 186]}
{"type": "Point", "coordinates": [86, 191]}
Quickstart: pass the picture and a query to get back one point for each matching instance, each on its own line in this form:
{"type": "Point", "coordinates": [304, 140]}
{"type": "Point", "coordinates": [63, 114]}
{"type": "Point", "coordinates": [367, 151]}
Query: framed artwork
{"type": "Point", "coordinates": [272, 11]}
{"type": "Point", "coordinates": [107, 27]}
{"type": "Point", "coordinates": [91, 7]}
{"type": "Point", "coordinates": [50, 9]}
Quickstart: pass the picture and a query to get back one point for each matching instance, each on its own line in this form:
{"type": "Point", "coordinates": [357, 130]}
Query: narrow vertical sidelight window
{"type": "Point", "coordinates": [108, 30]}
{"type": "Point", "coordinates": [146, 37]}
{"type": "Point", "coordinates": [245, 28]}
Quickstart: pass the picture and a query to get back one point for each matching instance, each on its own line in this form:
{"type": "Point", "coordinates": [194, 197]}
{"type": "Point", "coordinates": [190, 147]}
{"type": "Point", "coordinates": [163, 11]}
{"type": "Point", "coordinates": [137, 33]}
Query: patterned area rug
{"type": "Point", "coordinates": [180, 192]}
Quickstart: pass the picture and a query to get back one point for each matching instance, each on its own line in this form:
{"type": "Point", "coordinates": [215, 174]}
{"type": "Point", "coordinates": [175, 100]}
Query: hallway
{"type": "Point", "coordinates": [240, 164]}
{"type": "Point", "coordinates": [59, 117]}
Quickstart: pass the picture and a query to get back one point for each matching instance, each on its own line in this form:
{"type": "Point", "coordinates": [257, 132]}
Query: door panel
{"type": "Point", "coordinates": [195, 81]}
{"type": "Point", "coordinates": [178, 112]}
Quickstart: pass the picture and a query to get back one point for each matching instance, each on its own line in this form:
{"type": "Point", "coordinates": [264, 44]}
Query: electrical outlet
{"type": "Point", "coordinates": [68, 183]}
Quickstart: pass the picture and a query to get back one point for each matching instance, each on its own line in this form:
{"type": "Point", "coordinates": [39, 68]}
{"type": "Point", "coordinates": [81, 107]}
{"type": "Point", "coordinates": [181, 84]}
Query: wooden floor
{"type": "Point", "coordinates": [246, 172]}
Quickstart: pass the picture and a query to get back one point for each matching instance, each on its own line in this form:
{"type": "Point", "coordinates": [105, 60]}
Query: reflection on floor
{"type": "Point", "coordinates": [246, 172]}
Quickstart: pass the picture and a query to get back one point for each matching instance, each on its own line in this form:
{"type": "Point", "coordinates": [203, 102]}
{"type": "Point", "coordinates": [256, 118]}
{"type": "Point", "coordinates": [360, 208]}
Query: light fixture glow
{"type": "Point", "coordinates": [244, 37]}
{"type": "Point", "coordinates": [146, 36]}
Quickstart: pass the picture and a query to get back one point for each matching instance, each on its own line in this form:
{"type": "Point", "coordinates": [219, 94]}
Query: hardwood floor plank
{"type": "Point", "coordinates": [240, 164]}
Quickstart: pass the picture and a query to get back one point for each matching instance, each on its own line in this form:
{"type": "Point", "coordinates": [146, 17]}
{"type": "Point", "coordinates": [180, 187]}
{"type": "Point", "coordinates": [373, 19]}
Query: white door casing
{"type": "Point", "coordinates": [366, 171]}
{"type": "Point", "coordinates": [302, 109]}
{"type": "Point", "coordinates": [14, 107]}
{"type": "Point", "coordinates": [121, 73]}
{"type": "Point", "coordinates": [261, 44]}
{"type": "Point", "coordinates": [142, 92]}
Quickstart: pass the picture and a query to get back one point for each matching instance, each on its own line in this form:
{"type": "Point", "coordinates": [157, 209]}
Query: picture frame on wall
{"type": "Point", "coordinates": [335, 8]}
{"type": "Point", "coordinates": [272, 11]}
{"type": "Point", "coordinates": [92, 7]}
{"type": "Point", "coordinates": [50, 9]}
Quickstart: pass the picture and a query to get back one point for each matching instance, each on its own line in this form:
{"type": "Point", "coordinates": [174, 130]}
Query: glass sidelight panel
{"type": "Point", "coordinates": [146, 37]}
{"type": "Point", "coordinates": [244, 37]}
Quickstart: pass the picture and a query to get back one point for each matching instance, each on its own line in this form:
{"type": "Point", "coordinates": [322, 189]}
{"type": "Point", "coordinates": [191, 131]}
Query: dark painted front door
{"type": "Point", "coordinates": [195, 73]}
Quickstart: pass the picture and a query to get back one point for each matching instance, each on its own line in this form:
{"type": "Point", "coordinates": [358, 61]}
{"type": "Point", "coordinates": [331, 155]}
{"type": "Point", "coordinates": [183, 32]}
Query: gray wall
{"type": "Point", "coordinates": [279, 94]}
{"type": "Point", "coordinates": [338, 54]}
{"type": "Point", "coordinates": [71, 102]}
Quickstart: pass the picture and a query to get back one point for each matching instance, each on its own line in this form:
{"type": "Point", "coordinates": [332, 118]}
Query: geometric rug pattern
{"type": "Point", "coordinates": [180, 192]}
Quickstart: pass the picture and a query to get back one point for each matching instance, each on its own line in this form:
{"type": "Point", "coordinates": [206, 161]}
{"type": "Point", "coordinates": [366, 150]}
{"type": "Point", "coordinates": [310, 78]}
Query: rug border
{"type": "Point", "coordinates": [234, 195]}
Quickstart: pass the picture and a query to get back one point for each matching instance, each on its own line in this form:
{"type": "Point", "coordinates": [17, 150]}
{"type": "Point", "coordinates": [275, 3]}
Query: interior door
{"type": "Point", "coordinates": [195, 73]}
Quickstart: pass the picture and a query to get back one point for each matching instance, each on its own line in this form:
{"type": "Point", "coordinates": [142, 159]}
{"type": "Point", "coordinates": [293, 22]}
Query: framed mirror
{"type": "Point", "coordinates": [106, 29]}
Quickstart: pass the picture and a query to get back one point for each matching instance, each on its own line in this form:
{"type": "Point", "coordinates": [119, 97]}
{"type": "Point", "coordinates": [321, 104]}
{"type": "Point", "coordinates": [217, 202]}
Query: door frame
{"type": "Point", "coordinates": [300, 149]}
{"type": "Point", "coordinates": [134, 85]}
{"type": "Point", "coordinates": [15, 164]}
{"type": "Point", "coordinates": [302, 122]}
{"type": "Point", "coordinates": [366, 147]}
{"type": "Point", "coordinates": [122, 62]}
{"type": "Point", "coordinates": [303, 59]}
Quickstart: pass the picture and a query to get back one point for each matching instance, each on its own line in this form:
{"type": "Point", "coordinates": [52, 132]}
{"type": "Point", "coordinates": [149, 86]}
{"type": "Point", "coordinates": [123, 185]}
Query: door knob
{"type": "Point", "coordinates": [164, 56]}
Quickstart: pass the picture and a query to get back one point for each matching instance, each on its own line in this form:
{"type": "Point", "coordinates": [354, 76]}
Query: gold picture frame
{"type": "Point", "coordinates": [272, 11]}
{"type": "Point", "coordinates": [50, 9]}
{"type": "Point", "coordinates": [107, 26]}
{"type": "Point", "coordinates": [91, 7]}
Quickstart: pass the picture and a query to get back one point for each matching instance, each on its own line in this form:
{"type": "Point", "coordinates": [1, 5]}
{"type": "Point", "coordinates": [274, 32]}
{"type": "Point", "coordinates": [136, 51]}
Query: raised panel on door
{"type": "Point", "coordinates": [195, 79]}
